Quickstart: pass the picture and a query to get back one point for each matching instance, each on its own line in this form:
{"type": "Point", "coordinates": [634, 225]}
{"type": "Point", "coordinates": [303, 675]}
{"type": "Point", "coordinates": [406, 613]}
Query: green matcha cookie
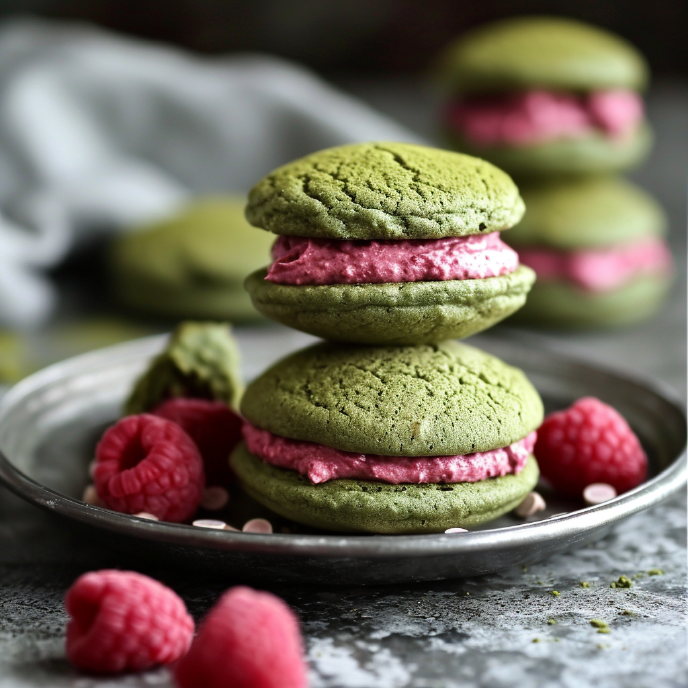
{"type": "Point", "coordinates": [591, 154]}
{"type": "Point", "coordinates": [375, 507]}
{"type": "Point", "coordinates": [393, 313]}
{"type": "Point", "coordinates": [552, 54]}
{"type": "Point", "coordinates": [430, 400]}
{"type": "Point", "coordinates": [388, 191]}
{"type": "Point", "coordinates": [541, 52]}
{"type": "Point", "coordinates": [200, 360]}
{"type": "Point", "coordinates": [192, 265]}
{"type": "Point", "coordinates": [385, 191]}
{"type": "Point", "coordinates": [590, 212]}
{"type": "Point", "coordinates": [564, 306]}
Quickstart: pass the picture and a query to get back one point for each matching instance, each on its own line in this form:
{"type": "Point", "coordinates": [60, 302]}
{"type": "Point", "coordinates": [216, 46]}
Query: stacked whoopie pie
{"type": "Point", "coordinates": [387, 250]}
{"type": "Point", "coordinates": [599, 249]}
{"type": "Point", "coordinates": [558, 104]}
{"type": "Point", "coordinates": [546, 95]}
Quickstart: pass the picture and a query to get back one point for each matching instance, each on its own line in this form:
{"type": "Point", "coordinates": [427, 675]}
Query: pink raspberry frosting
{"type": "Point", "coordinates": [321, 463]}
{"type": "Point", "coordinates": [532, 117]}
{"type": "Point", "coordinates": [602, 269]}
{"type": "Point", "coordinates": [300, 260]}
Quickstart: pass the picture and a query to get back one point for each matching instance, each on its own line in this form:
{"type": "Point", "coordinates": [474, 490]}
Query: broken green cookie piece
{"type": "Point", "coordinates": [201, 361]}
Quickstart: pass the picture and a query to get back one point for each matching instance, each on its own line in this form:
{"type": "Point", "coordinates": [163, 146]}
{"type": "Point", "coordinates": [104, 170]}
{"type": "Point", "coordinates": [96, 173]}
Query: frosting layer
{"type": "Point", "coordinates": [532, 117]}
{"type": "Point", "coordinates": [321, 463]}
{"type": "Point", "coordinates": [300, 260]}
{"type": "Point", "coordinates": [603, 269]}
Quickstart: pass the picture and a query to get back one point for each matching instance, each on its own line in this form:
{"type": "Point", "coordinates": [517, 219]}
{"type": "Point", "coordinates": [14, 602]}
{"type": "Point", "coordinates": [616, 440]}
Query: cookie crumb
{"type": "Point", "coordinates": [600, 625]}
{"type": "Point", "coordinates": [556, 593]}
{"type": "Point", "coordinates": [536, 640]}
{"type": "Point", "coordinates": [584, 584]}
{"type": "Point", "coordinates": [551, 622]}
{"type": "Point", "coordinates": [655, 572]}
{"type": "Point", "coordinates": [623, 582]}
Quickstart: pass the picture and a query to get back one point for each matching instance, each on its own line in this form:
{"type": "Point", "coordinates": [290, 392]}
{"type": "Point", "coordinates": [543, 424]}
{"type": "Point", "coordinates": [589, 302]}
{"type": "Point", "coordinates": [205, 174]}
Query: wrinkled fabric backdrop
{"type": "Point", "coordinates": [99, 133]}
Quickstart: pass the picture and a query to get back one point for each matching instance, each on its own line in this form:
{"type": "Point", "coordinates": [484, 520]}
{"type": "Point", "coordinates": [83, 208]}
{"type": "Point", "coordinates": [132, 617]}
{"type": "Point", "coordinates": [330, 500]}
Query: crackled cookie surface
{"type": "Point", "coordinates": [385, 191]}
{"type": "Point", "coordinates": [431, 400]}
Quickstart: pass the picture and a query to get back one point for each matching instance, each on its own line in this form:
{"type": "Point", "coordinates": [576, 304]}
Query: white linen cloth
{"type": "Point", "coordinates": [98, 132]}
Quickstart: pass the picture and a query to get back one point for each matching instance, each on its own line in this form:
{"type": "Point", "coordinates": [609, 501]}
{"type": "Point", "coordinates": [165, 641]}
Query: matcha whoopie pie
{"type": "Point", "coordinates": [389, 439]}
{"type": "Point", "coordinates": [191, 265]}
{"type": "Point", "coordinates": [598, 247]}
{"type": "Point", "coordinates": [540, 95]}
{"type": "Point", "coordinates": [388, 243]}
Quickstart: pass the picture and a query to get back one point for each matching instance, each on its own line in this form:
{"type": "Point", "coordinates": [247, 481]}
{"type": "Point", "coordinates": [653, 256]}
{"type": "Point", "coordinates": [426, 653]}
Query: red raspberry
{"type": "Point", "coordinates": [589, 443]}
{"type": "Point", "coordinates": [215, 429]}
{"type": "Point", "coordinates": [146, 463]}
{"type": "Point", "coordinates": [123, 621]}
{"type": "Point", "coordinates": [249, 639]}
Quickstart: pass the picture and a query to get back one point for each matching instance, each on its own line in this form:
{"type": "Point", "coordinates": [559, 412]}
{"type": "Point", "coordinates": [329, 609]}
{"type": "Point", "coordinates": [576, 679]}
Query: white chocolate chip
{"type": "Point", "coordinates": [90, 496]}
{"type": "Point", "coordinates": [455, 530]}
{"type": "Point", "coordinates": [596, 493]}
{"type": "Point", "coordinates": [215, 498]}
{"type": "Point", "coordinates": [147, 516]}
{"type": "Point", "coordinates": [210, 523]}
{"type": "Point", "coordinates": [257, 525]}
{"type": "Point", "coordinates": [532, 503]}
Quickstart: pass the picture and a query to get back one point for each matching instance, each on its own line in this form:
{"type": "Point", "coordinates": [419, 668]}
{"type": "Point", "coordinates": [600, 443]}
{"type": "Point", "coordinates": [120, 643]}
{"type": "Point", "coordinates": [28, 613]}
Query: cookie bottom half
{"type": "Point", "coordinates": [359, 506]}
{"type": "Point", "coordinates": [593, 154]}
{"type": "Point", "coordinates": [395, 313]}
{"type": "Point", "coordinates": [563, 306]}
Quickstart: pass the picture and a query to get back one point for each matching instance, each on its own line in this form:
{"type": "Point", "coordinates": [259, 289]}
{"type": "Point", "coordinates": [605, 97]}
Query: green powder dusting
{"type": "Point", "coordinates": [556, 593]}
{"type": "Point", "coordinates": [551, 622]}
{"type": "Point", "coordinates": [600, 625]}
{"type": "Point", "coordinates": [655, 572]}
{"type": "Point", "coordinates": [623, 582]}
{"type": "Point", "coordinates": [584, 584]}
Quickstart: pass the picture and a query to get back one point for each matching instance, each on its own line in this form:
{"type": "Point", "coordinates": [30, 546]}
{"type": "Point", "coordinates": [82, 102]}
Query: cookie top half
{"type": "Point", "coordinates": [385, 191]}
{"type": "Point", "coordinates": [587, 212]}
{"type": "Point", "coordinates": [541, 52]}
{"type": "Point", "coordinates": [430, 400]}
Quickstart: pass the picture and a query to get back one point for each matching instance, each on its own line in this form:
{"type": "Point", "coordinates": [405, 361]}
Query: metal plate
{"type": "Point", "coordinates": [49, 424]}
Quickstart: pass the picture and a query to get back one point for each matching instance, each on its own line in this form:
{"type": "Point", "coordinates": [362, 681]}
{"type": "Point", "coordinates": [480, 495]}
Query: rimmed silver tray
{"type": "Point", "coordinates": [49, 424]}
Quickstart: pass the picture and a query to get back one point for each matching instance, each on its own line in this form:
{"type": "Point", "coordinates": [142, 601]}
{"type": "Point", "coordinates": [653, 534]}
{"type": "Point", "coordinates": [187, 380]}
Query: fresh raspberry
{"type": "Point", "coordinates": [589, 443]}
{"type": "Point", "coordinates": [249, 639]}
{"type": "Point", "coordinates": [123, 621]}
{"type": "Point", "coordinates": [146, 463]}
{"type": "Point", "coordinates": [215, 429]}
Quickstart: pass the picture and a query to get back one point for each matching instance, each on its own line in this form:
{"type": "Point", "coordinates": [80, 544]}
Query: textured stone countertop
{"type": "Point", "coordinates": [496, 631]}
